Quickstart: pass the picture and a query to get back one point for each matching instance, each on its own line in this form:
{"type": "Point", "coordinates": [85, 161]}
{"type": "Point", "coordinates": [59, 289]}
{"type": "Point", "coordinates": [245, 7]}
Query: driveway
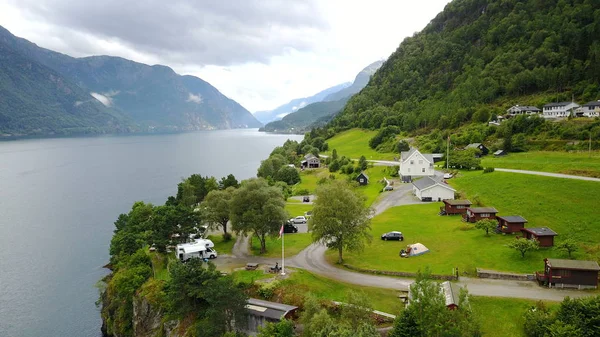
{"type": "Point", "coordinates": [401, 195]}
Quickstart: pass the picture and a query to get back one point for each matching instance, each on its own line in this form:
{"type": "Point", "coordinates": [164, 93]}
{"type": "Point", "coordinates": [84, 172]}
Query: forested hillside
{"type": "Point", "coordinates": [479, 57]}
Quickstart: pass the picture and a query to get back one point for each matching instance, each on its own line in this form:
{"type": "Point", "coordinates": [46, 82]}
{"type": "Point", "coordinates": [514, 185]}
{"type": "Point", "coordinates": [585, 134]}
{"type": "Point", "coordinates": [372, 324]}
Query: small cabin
{"type": "Point", "coordinates": [475, 214]}
{"type": "Point", "coordinates": [559, 273]}
{"type": "Point", "coordinates": [362, 179]}
{"type": "Point", "coordinates": [499, 153]}
{"type": "Point", "coordinates": [261, 312]}
{"type": "Point", "coordinates": [483, 150]}
{"type": "Point", "coordinates": [451, 293]}
{"type": "Point", "coordinates": [511, 223]}
{"type": "Point", "coordinates": [310, 161]}
{"type": "Point", "coordinates": [544, 235]}
{"type": "Point", "coordinates": [452, 207]}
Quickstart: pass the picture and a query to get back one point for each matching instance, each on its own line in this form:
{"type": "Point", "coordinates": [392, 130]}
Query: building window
{"type": "Point", "coordinates": [460, 206]}
{"type": "Point", "coordinates": [564, 273]}
{"type": "Point", "coordinates": [423, 170]}
{"type": "Point", "coordinates": [485, 215]}
{"type": "Point", "coordinates": [412, 162]}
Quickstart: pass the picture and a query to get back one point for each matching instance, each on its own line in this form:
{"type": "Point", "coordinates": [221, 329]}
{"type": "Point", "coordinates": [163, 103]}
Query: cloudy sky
{"type": "Point", "coordinates": [262, 53]}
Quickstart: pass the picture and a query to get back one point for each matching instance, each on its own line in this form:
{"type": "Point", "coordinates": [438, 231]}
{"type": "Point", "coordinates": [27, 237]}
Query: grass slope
{"type": "Point", "coordinates": [355, 143]}
{"type": "Point", "coordinates": [577, 163]}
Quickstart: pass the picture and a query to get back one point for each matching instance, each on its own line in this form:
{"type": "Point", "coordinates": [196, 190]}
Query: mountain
{"type": "Point", "coordinates": [305, 117]}
{"type": "Point", "coordinates": [295, 104]}
{"type": "Point", "coordinates": [360, 81]}
{"type": "Point", "coordinates": [154, 98]}
{"type": "Point", "coordinates": [36, 100]}
{"type": "Point", "coordinates": [479, 57]}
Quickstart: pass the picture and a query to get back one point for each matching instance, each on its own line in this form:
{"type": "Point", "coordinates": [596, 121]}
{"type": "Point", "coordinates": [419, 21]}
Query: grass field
{"type": "Point", "coordinates": [294, 243]}
{"type": "Point", "coordinates": [577, 163]}
{"type": "Point", "coordinates": [220, 246]}
{"type": "Point", "coordinates": [295, 209]}
{"type": "Point", "coordinates": [355, 143]}
{"type": "Point", "coordinates": [501, 317]}
{"type": "Point", "coordinates": [544, 201]}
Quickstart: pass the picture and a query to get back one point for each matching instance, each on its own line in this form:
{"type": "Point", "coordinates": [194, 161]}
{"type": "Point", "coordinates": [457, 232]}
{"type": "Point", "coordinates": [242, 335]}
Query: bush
{"type": "Point", "coordinates": [488, 170]}
{"type": "Point", "coordinates": [267, 290]}
{"type": "Point", "coordinates": [303, 191]}
{"type": "Point", "coordinates": [226, 237]}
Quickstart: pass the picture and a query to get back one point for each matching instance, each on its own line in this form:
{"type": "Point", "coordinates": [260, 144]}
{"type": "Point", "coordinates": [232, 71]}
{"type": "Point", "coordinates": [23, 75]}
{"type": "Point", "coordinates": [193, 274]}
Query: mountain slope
{"type": "Point", "coordinates": [296, 104]}
{"type": "Point", "coordinates": [35, 100]}
{"type": "Point", "coordinates": [476, 56]}
{"type": "Point", "coordinates": [305, 117]}
{"type": "Point", "coordinates": [155, 97]}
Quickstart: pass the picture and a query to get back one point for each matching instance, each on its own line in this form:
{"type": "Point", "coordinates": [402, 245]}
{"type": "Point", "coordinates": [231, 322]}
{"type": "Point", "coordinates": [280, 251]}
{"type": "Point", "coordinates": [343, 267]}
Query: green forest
{"type": "Point", "coordinates": [479, 57]}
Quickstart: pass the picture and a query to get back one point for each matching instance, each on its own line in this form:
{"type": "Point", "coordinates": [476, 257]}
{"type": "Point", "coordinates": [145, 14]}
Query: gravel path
{"type": "Point", "coordinates": [548, 174]}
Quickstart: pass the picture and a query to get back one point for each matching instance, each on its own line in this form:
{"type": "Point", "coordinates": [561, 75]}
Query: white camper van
{"type": "Point", "coordinates": [201, 250]}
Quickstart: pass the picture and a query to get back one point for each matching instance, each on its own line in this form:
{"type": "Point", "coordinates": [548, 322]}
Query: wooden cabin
{"type": "Point", "coordinates": [475, 214]}
{"type": "Point", "coordinates": [544, 235]}
{"type": "Point", "coordinates": [362, 179]}
{"type": "Point", "coordinates": [452, 207]}
{"type": "Point", "coordinates": [559, 273]}
{"type": "Point", "coordinates": [511, 223]}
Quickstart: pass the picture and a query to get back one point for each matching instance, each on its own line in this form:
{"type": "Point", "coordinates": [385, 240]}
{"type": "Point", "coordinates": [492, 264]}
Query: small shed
{"type": "Point", "coordinates": [475, 214]}
{"type": "Point", "coordinates": [310, 161]}
{"type": "Point", "coordinates": [561, 273]}
{"type": "Point", "coordinates": [452, 207]}
{"type": "Point", "coordinates": [362, 179]}
{"type": "Point", "coordinates": [260, 312]}
{"type": "Point", "coordinates": [544, 235]}
{"type": "Point", "coordinates": [482, 148]}
{"type": "Point", "coordinates": [511, 223]}
{"type": "Point", "coordinates": [499, 153]}
{"type": "Point", "coordinates": [428, 189]}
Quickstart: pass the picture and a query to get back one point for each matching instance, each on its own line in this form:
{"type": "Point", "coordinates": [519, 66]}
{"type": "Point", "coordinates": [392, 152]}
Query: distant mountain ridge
{"type": "Point", "coordinates": [145, 98]}
{"type": "Point", "coordinates": [325, 110]}
{"type": "Point", "coordinates": [296, 104]}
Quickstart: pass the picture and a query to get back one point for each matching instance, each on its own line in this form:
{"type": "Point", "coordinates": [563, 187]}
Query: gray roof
{"type": "Point", "coordinates": [540, 231]}
{"type": "Point", "coordinates": [513, 218]}
{"type": "Point", "coordinates": [526, 108]}
{"type": "Point", "coordinates": [458, 202]}
{"type": "Point", "coordinates": [405, 154]}
{"type": "Point", "coordinates": [483, 210]}
{"type": "Point", "coordinates": [268, 309]}
{"type": "Point", "coordinates": [592, 103]}
{"type": "Point", "coordinates": [363, 174]}
{"type": "Point", "coordinates": [424, 183]}
{"type": "Point", "coordinates": [573, 264]}
{"type": "Point", "coordinates": [499, 152]}
{"type": "Point", "coordinates": [473, 146]}
{"type": "Point", "coordinates": [558, 104]}
{"type": "Point", "coordinates": [451, 293]}
{"type": "Point", "coordinates": [308, 156]}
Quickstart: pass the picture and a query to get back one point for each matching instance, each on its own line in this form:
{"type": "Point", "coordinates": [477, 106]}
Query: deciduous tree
{"type": "Point", "coordinates": [216, 208]}
{"type": "Point", "coordinates": [524, 245]}
{"type": "Point", "coordinates": [340, 218]}
{"type": "Point", "coordinates": [486, 225]}
{"type": "Point", "coordinates": [569, 245]}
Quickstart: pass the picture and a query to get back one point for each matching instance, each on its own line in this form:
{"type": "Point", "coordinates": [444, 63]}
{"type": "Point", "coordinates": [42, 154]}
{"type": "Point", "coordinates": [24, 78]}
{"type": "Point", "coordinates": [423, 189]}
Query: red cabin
{"type": "Point", "coordinates": [452, 207]}
{"type": "Point", "coordinates": [544, 235]}
{"type": "Point", "coordinates": [560, 273]}
{"type": "Point", "coordinates": [511, 223]}
{"type": "Point", "coordinates": [475, 214]}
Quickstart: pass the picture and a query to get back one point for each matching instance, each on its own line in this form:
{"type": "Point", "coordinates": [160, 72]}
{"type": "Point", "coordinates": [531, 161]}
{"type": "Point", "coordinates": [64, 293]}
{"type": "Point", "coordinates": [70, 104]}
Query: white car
{"type": "Point", "coordinates": [447, 175]}
{"type": "Point", "coordinates": [299, 219]}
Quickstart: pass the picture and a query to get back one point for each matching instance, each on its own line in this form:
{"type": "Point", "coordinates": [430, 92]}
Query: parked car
{"type": "Point", "coordinates": [306, 199]}
{"type": "Point", "coordinates": [392, 236]}
{"type": "Point", "coordinates": [388, 188]}
{"type": "Point", "coordinates": [290, 228]}
{"type": "Point", "coordinates": [447, 175]}
{"type": "Point", "coordinates": [299, 219]}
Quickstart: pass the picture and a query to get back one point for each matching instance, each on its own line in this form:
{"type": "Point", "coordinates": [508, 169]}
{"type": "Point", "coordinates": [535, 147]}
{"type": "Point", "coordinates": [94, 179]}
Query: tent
{"type": "Point", "coordinates": [416, 249]}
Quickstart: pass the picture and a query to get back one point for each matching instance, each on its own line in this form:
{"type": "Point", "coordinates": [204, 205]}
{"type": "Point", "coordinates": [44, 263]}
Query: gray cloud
{"type": "Point", "coordinates": [217, 32]}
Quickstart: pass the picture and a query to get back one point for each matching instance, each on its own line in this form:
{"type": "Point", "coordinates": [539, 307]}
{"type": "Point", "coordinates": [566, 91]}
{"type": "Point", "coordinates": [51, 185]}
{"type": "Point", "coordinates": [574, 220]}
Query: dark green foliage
{"type": "Point", "coordinates": [383, 135]}
{"type": "Point", "coordinates": [193, 189]}
{"type": "Point", "coordinates": [402, 146]}
{"type": "Point", "coordinates": [488, 170]}
{"type": "Point", "coordinates": [228, 181]}
{"type": "Point", "coordinates": [362, 163]}
{"type": "Point", "coordinates": [477, 53]}
{"type": "Point", "coordinates": [287, 174]}
{"type": "Point", "coordinates": [575, 317]}
{"type": "Point", "coordinates": [284, 328]}
{"type": "Point", "coordinates": [464, 159]}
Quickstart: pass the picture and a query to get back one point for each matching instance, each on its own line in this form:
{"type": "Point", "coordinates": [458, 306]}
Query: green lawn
{"type": "Point", "coordinates": [221, 246]}
{"type": "Point", "coordinates": [309, 179]}
{"type": "Point", "coordinates": [577, 163]}
{"type": "Point", "coordinates": [294, 243]}
{"type": "Point", "coordinates": [373, 190]}
{"type": "Point", "coordinates": [355, 143]}
{"type": "Point", "coordinates": [249, 276]}
{"type": "Point", "coordinates": [297, 209]}
{"type": "Point", "coordinates": [501, 317]}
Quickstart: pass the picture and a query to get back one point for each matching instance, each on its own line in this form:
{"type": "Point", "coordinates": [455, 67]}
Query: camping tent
{"type": "Point", "coordinates": [416, 249]}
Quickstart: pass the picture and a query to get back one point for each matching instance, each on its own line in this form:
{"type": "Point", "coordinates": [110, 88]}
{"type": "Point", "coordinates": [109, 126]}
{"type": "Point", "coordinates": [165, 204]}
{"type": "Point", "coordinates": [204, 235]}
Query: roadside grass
{"type": "Point", "coordinates": [294, 244]}
{"type": "Point", "coordinates": [295, 210]}
{"type": "Point", "coordinates": [221, 246]}
{"type": "Point", "coordinates": [250, 276]}
{"type": "Point", "coordinates": [355, 143]}
{"type": "Point", "coordinates": [575, 163]}
{"type": "Point", "coordinates": [501, 317]}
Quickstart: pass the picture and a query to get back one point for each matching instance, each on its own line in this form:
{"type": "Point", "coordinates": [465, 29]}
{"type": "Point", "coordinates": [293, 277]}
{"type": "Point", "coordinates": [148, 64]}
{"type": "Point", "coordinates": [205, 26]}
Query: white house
{"type": "Point", "coordinates": [559, 110]}
{"type": "Point", "coordinates": [590, 109]}
{"type": "Point", "coordinates": [415, 164]}
{"type": "Point", "coordinates": [428, 189]}
{"type": "Point", "coordinates": [523, 110]}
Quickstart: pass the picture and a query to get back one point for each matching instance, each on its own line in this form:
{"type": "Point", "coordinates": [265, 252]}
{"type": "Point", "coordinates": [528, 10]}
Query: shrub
{"type": "Point", "coordinates": [488, 170]}
{"type": "Point", "coordinates": [267, 290]}
{"type": "Point", "coordinates": [303, 191]}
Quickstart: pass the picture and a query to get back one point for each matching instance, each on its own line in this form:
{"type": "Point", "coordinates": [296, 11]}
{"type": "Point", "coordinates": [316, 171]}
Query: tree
{"type": "Point", "coordinates": [362, 163]}
{"type": "Point", "coordinates": [357, 309]}
{"type": "Point", "coordinates": [486, 225]}
{"type": "Point", "coordinates": [287, 174]}
{"type": "Point", "coordinates": [568, 245]}
{"type": "Point", "coordinates": [216, 208]}
{"type": "Point", "coordinates": [334, 154]}
{"type": "Point", "coordinates": [574, 317]}
{"type": "Point", "coordinates": [340, 218]}
{"type": "Point", "coordinates": [258, 209]}
{"type": "Point", "coordinates": [402, 146]}
{"type": "Point", "coordinates": [283, 328]}
{"type": "Point", "coordinates": [524, 245]}
{"type": "Point", "coordinates": [228, 181]}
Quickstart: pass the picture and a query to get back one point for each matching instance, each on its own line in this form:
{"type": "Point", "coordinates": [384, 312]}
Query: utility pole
{"type": "Point", "coordinates": [590, 147]}
{"type": "Point", "coordinates": [448, 152]}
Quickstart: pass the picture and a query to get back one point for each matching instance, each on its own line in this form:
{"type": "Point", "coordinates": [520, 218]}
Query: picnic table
{"type": "Point", "coordinates": [251, 266]}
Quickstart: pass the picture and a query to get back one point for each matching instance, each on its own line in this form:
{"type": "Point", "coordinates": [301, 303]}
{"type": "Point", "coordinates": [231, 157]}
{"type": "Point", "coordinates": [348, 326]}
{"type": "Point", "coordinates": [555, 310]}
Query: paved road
{"type": "Point", "coordinates": [548, 174]}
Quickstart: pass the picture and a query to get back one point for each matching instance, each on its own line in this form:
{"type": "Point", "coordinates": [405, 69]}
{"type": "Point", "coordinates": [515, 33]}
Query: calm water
{"type": "Point", "coordinates": [60, 197]}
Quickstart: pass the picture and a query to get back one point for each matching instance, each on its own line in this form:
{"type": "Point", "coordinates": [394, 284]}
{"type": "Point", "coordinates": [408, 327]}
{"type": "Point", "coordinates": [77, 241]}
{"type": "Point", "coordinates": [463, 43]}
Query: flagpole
{"type": "Point", "coordinates": [282, 253]}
